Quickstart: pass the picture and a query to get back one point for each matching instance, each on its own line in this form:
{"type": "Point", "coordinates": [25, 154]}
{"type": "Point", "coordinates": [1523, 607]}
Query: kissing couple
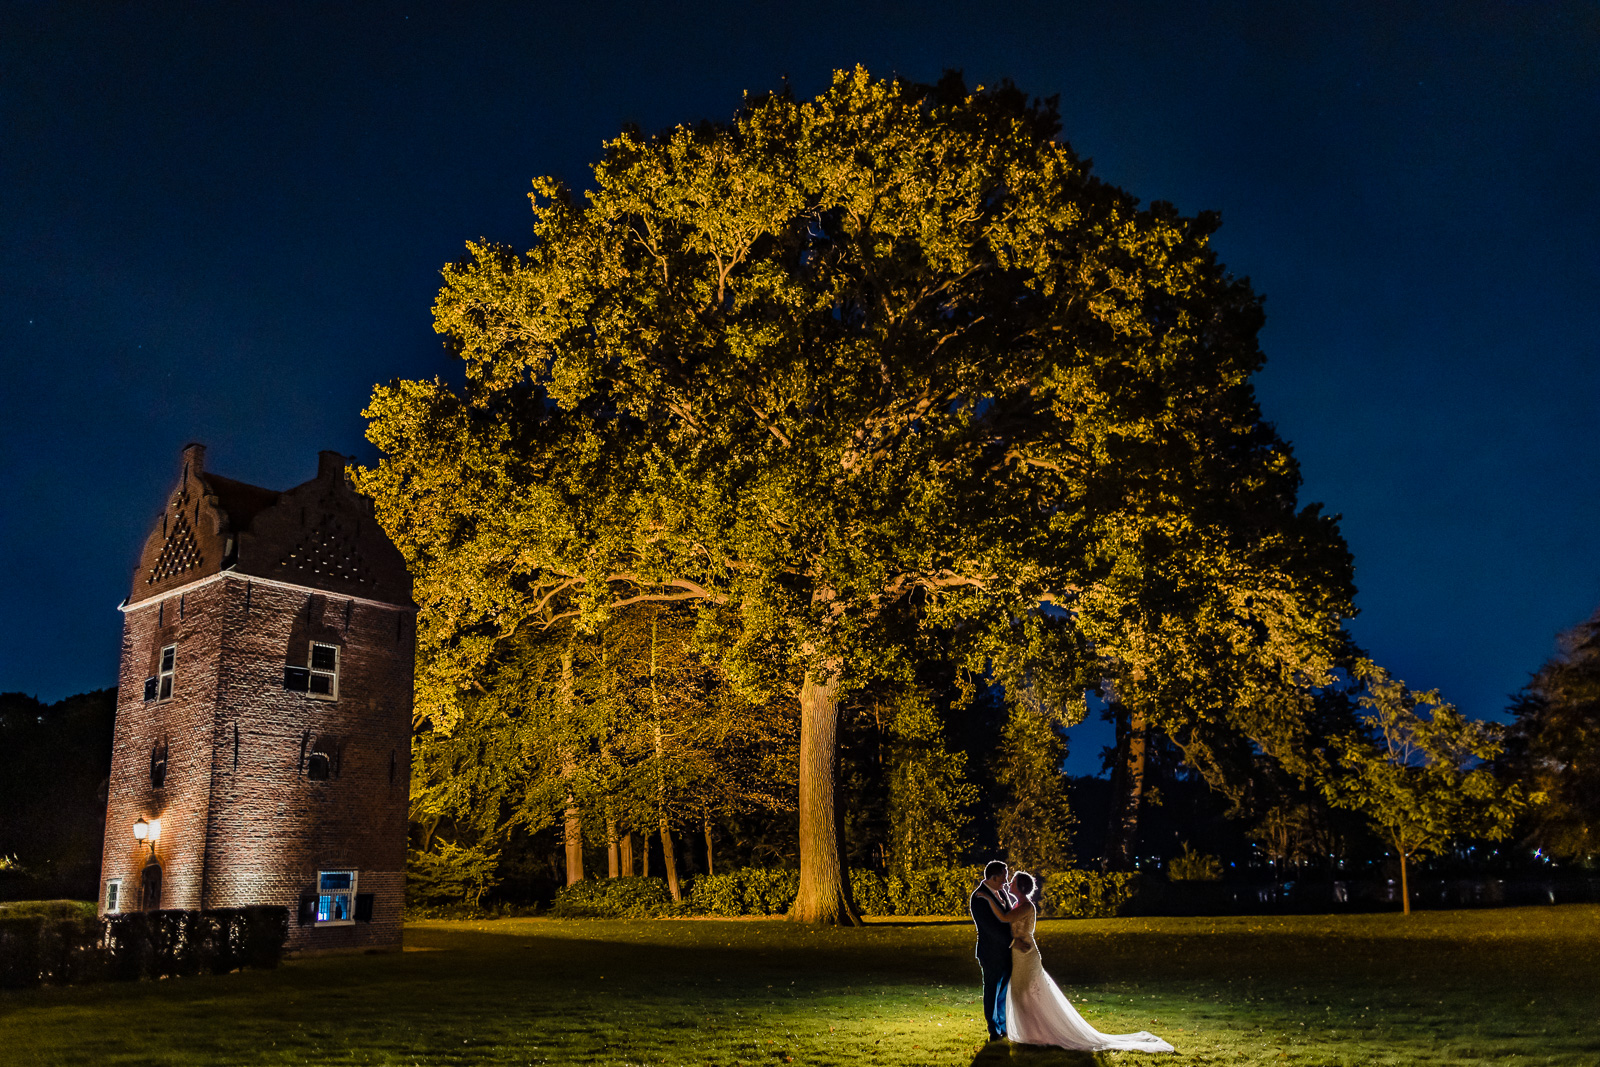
{"type": "Point", "coordinates": [1020, 1000]}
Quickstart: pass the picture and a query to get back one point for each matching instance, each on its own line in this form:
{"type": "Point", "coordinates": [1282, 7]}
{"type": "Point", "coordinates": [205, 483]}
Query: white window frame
{"type": "Point", "coordinates": [350, 901]}
{"type": "Point", "coordinates": [113, 896]}
{"type": "Point", "coordinates": [167, 674]}
{"type": "Point", "coordinates": [316, 672]}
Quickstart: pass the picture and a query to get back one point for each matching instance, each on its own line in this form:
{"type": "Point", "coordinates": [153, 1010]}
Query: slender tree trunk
{"type": "Point", "coordinates": [705, 824]}
{"type": "Point", "coordinates": [613, 857]}
{"type": "Point", "coordinates": [1405, 886]}
{"type": "Point", "coordinates": [573, 834]}
{"type": "Point", "coordinates": [670, 859]}
{"type": "Point", "coordinates": [1125, 838]}
{"type": "Point", "coordinates": [625, 847]}
{"type": "Point", "coordinates": [824, 883]}
{"type": "Point", "coordinates": [572, 831]}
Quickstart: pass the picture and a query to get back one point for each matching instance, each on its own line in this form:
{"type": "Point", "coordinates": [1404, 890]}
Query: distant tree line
{"type": "Point", "coordinates": [55, 761]}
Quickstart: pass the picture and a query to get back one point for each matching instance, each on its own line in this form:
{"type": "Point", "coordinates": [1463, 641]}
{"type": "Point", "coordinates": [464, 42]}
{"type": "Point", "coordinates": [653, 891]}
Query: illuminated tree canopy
{"type": "Point", "coordinates": [849, 374]}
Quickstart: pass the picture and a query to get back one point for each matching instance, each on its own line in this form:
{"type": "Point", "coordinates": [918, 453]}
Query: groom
{"type": "Point", "coordinates": [994, 945]}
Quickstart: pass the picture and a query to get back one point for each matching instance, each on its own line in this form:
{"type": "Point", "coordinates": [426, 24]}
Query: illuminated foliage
{"type": "Point", "coordinates": [1034, 820]}
{"type": "Point", "coordinates": [627, 727]}
{"type": "Point", "coordinates": [847, 372]}
{"type": "Point", "coordinates": [1416, 772]}
{"type": "Point", "coordinates": [928, 791]}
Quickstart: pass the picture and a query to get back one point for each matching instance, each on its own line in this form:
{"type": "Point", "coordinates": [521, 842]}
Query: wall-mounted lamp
{"type": "Point", "coordinates": [149, 832]}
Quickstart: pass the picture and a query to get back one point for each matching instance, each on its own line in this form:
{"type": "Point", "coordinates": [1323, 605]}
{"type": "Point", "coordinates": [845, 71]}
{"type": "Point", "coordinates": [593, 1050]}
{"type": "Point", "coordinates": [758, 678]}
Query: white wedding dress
{"type": "Point", "coordinates": [1038, 1014]}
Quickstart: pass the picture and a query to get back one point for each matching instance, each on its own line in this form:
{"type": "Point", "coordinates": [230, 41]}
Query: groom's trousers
{"type": "Point", "coordinates": [996, 982]}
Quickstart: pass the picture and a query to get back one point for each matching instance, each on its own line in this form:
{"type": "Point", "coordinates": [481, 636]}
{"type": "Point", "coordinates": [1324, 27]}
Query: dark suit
{"type": "Point", "coordinates": [994, 956]}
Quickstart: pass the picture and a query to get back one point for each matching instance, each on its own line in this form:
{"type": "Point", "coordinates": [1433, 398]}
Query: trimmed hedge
{"type": "Point", "coordinates": [45, 942]}
{"type": "Point", "coordinates": [939, 891]}
{"type": "Point", "coordinates": [1074, 894]}
{"type": "Point", "coordinates": [49, 941]}
{"type": "Point", "coordinates": [750, 891]}
{"type": "Point", "coordinates": [615, 898]}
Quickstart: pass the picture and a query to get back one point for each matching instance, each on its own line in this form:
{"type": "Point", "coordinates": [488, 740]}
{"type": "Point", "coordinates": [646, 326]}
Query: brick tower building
{"type": "Point", "coordinates": [262, 751]}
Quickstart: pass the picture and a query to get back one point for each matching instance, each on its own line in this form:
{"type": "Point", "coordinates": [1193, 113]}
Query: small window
{"type": "Point", "coordinates": [150, 687]}
{"type": "Point", "coordinates": [113, 895]}
{"type": "Point", "coordinates": [169, 663]}
{"type": "Point", "coordinates": [336, 893]}
{"type": "Point", "coordinates": [296, 678]}
{"type": "Point", "coordinates": [158, 764]}
{"type": "Point", "coordinates": [323, 761]}
{"type": "Point", "coordinates": [324, 680]}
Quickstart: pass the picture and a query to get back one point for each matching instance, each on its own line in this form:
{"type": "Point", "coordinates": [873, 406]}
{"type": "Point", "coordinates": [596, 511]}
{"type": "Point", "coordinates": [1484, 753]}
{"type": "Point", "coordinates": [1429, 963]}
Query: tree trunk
{"type": "Point", "coordinates": [573, 833]}
{"type": "Point", "coordinates": [670, 860]}
{"type": "Point", "coordinates": [625, 848]}
{"type": "Point", "coordinates": [824, 883]}
{"type": "Point", "coordinates": [573, 829]}
{"type": "Point", "coordinates": [613, 857]}
{"type": "Point", "coordinates": [705, 823]}
{"type": "Point", "coordinates": [667, 858]}
{"type": "Point", "coordinates": [1124, 844]}
{"type": "Point", "coordinates": [1405, 886]}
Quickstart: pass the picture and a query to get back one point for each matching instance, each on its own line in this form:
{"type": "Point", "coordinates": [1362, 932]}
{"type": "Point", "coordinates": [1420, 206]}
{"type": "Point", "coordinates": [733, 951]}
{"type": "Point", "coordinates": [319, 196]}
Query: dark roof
{"type": "Point", "coordinates": [241, 500]}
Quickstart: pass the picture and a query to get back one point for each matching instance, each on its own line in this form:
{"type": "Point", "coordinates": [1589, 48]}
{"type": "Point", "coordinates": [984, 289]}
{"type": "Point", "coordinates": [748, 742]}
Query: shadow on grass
{"type": "Point", "coordinates": [998, 1053]}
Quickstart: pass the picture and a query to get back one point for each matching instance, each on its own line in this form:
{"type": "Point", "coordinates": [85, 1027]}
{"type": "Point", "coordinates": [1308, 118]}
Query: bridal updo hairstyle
{"type": "Point", "coordinates": [1027, 888]}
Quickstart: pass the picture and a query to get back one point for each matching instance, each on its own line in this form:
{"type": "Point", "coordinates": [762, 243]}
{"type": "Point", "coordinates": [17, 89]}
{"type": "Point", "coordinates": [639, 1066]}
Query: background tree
{"type": "Point", "coordinates": [1417, 772]}
{"type": "Point", "coordinates": [1034, 820]}
{"type": "Point", "coordinates": [848, 371]}
{"type": "Point", "coordinates": [623, 729]}
{"type": "Point", "coordinates": [928, 791]}
{"type": "Point", "coordinates": [1554, 745]}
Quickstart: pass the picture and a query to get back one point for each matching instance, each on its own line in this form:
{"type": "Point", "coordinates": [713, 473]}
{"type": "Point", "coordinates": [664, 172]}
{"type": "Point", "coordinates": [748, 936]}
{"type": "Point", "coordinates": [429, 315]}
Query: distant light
{"type": "Point", "coordinates": [141, 830]}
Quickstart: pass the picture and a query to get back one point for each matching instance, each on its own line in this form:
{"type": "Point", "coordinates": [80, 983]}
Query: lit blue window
{"type": "Point", "coordinates": [336, 892]}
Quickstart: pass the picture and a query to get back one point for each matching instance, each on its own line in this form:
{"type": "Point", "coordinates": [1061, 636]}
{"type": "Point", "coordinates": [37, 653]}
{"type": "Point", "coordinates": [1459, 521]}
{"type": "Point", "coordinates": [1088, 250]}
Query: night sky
{"type": "Point", "coordinates": [225, 222]}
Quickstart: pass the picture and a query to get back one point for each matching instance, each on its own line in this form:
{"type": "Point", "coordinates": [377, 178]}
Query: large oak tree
{"type": "Point", "coordinates": [848, 372]}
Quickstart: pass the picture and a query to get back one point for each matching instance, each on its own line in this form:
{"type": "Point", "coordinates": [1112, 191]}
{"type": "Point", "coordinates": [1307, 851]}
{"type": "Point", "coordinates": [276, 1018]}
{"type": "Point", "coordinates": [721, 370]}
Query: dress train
{"type": "Point", "coordinates": [1038, 1014]}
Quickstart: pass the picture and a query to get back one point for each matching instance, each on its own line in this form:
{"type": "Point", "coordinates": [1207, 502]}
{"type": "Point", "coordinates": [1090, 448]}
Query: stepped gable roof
{"type": "Point", "coordinates": [241, 500]}
{"type": "Point", "coordinates": [320, 534]}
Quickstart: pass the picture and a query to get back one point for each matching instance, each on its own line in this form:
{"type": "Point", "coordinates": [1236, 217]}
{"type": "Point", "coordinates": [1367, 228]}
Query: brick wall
{"type": "Point", "coordinates": [241, 821]}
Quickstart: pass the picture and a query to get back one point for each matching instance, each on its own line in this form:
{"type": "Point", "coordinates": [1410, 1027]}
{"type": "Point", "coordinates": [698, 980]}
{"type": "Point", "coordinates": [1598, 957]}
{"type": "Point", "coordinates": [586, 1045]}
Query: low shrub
{"type": "Point", "coordinates": [750, 891]}
{"type": "Point", "coordinates": [615, 898]}
{"type": "Point", "coordinates": [936, 891]}
{"type": "Point", "coordinates": [871, 892]}
{"type": "Point", "coordinates": [1069, 894]}
{"type": "Point", "coordinates": [64, 943]}
{"type": "Point", "coordinates": [760, 891]}
{"type": "Point", "coordinates": [175, 944]}
{"type": "Point", "coordinates": [55, 941]}
{"type": "Point", "coordinates": [1073, 894]}
{"type": "Point", "coordinates": [498, 909]}
{"type": "Point", "coordinates": [1192, 866]}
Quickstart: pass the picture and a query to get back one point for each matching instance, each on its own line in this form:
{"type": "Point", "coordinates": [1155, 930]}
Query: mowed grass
{"type": "Point", "coordinates": [1487, 987]}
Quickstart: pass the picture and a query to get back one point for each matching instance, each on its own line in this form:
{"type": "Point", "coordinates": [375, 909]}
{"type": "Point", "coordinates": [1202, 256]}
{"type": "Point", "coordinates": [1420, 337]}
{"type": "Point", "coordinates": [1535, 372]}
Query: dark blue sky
{"type": "Point", "coordinates": [224, 223]}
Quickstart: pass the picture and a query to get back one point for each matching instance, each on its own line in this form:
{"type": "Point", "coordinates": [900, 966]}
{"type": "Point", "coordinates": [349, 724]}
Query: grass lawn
{"type": "Point", "coordinates": [1515, 985]}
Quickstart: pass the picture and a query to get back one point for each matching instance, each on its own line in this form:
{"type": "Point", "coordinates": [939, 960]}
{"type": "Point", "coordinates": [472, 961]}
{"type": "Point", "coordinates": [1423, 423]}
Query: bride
{"type": "Point", "coordinates": [1036, 1012]}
